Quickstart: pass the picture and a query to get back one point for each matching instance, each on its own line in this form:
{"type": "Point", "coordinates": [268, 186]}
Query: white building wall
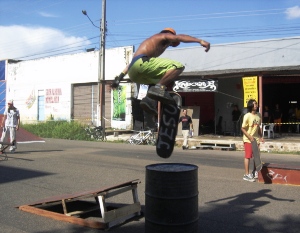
{"type": "Point", "coordinates": [53, 76]}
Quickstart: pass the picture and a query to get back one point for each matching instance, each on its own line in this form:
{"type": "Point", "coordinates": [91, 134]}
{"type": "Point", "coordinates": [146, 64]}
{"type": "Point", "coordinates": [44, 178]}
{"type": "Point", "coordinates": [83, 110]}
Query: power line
{"type": "Point", "coordinates": [202, 16]}
{"type": "Point", "coordinates": [136, 38]}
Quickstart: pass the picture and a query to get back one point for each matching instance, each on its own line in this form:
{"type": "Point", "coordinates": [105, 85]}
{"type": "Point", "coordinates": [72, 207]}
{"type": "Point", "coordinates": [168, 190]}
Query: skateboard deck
{"type": "Point", "coordinates": [168, 125]}
{"type": "Point", "coordinates": [256, 155]}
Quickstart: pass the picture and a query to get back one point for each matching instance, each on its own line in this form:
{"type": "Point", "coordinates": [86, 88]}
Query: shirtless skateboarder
{"type": "Point", "coordinates": [147, 68]}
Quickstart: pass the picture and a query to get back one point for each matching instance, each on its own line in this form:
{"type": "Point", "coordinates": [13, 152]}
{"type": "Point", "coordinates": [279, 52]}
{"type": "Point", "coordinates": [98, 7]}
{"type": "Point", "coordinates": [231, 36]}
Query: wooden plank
{"type": "Point", "coordinates": [110, 193]}
{"type": "Point", "coordinates": [83, 211]}
{"type": "Point", "coordinates": [64, 206]}
{"type": "Point", "coordinates": [122, 212]}
{"type": "Point", "coordinates": [62, 217]}
{"type": "Point", "coordinates": [81, 195]}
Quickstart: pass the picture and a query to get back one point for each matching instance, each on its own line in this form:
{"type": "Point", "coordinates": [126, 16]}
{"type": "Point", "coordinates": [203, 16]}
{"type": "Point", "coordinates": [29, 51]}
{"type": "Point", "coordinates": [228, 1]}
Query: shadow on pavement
{"type": "Point", "coordinates": [232, 214]}
{"type": "Point", "coordinates": [238, 214]}
{"type": "Point", "coordinates": [10, 174]}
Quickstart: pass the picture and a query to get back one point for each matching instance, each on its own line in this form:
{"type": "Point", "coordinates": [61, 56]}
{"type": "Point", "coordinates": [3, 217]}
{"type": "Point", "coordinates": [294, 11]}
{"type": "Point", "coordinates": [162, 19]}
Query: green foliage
{"type": "Point", "coordinates": [58, 129]}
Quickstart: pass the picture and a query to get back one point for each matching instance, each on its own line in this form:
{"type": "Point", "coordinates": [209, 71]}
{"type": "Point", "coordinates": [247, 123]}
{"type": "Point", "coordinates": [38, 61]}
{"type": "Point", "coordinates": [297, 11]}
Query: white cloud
{"type": "Point", "coordinates": [293, 12]}
{"type": "Point", "coordinates": [47, 15]}
{"type": "Point", "coordinates": [17, 42]}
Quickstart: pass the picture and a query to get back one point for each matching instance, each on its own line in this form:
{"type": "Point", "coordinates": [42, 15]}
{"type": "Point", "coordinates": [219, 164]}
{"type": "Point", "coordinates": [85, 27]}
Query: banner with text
{"type": "Point", "coordinates": [119, 103]}
{"type": "Point", "coordinates": [198, 85]}
{"type": "Point", "coordinates": [250, 89]}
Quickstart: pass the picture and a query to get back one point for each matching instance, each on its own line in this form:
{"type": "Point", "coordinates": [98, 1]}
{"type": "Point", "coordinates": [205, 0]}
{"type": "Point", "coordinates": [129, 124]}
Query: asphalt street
{"type": "Point", "coordinates": [227, 203]}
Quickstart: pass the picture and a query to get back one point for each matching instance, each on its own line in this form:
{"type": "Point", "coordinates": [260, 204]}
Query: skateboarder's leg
{"type": "Point", "coordinates": [159, 92]}
{"type": "Point", "coordinates": [170, 75]}
{"type": "Point", "coordinates": [185, 134]}
{"type": "Point", "coordinates": [149, 105]}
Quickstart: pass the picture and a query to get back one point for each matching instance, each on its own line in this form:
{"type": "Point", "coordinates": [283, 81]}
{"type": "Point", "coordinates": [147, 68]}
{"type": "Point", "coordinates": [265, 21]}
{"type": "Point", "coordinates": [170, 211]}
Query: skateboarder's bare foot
{"type": "Point", "coordinates": [159, 93]}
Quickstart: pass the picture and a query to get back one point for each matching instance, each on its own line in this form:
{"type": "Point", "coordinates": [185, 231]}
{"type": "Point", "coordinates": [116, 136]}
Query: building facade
{"type": "Point", "coordinates": [66, 87]}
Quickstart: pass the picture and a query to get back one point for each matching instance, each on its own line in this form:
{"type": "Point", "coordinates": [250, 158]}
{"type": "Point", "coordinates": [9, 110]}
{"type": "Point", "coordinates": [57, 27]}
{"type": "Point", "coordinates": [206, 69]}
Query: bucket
{"type": "Point", "coordinates": [171, 201]}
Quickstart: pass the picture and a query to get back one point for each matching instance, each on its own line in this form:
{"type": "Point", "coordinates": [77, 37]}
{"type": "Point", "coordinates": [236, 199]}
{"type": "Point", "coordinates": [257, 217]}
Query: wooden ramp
{"type": "Point", "coordinates": [279, 174]}
{"type": "Point", "coordinates": [78, 209]}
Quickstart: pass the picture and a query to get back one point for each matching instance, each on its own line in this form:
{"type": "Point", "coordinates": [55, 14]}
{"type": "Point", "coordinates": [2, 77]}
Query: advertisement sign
{"type": "Point", "coordinates": [250, 89]}
{"type": "Point", "coordinates": [199, 85]}
{"type": "Point", "coordinates": [119, 103]}
{"type": "Point", "coordinates": [143, 91]}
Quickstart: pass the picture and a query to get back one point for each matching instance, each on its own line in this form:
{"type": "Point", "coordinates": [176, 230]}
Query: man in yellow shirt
{"type": "Point", "coordinates": [252, 131]}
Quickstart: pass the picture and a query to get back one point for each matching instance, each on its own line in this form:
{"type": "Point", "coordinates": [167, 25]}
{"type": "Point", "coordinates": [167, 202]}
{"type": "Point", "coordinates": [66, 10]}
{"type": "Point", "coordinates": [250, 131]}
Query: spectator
{"type": "Point", "coordinates": [277, 116]}
{"type": "Point", "coordinates": [236, 113]}
{"type": "Point", "coordinates": [252, 131]}
{"type": "Point", "coordinates": [187, 125]}
{"type": "Point", "coordinates": [10, 124]}
{"type": "Point", "coordinates": [267, 115]}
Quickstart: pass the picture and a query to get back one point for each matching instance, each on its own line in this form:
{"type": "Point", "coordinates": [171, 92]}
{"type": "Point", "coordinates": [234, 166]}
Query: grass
{"type": "Point", "coordinates": [58, 129]}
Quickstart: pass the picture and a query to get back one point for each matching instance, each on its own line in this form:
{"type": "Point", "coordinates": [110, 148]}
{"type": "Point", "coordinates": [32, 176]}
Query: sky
{"type": "Point", "coordinates": [31, 29]}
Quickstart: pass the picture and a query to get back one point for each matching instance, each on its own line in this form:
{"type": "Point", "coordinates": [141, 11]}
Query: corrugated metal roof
{"type": "Point", "coordinates": [278, 55]}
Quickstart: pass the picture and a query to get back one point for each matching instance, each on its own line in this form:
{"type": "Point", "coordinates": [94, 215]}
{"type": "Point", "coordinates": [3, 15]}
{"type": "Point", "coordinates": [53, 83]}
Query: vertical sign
{"type": "Point", "coordinates": [250, 89]}
{"type": "Point", "coordinates": [143, 91]}
{"type": "Point", "coordinates": [119, 103]}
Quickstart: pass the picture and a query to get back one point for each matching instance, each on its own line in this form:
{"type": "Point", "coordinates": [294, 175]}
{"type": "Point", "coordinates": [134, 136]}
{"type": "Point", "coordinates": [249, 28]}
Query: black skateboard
{"type": "Point", "coordinates": [256, 155]}
{"type": "Point", "coordinates": [168, 125]}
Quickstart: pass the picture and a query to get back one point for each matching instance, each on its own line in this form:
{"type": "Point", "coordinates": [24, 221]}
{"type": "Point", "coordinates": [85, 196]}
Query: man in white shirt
{"type": "Point", "coordinates": [10, 123]}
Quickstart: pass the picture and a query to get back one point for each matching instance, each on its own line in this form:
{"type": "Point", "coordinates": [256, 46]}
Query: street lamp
{"type": "Point", "coordinates": [101, 68]}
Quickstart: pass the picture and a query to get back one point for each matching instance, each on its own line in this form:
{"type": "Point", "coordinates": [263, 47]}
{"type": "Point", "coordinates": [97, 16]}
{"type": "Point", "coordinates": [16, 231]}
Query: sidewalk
{"type": "Point", "coordinates": [281, 143]}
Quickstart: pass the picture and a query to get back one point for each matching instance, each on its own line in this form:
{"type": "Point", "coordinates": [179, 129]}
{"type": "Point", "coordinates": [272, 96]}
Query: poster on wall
{"type": "Point", "coordinates": [119, 103]}
{"type": "Point", "coordinates": [30, 100]}
{"type": "Point", "coordinates": [143, 91]}
{"type": "Point", "coordinates": [250, 89]}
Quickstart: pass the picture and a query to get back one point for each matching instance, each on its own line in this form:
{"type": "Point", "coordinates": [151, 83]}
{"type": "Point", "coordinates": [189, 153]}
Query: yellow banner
{"type": "Point", "coordinates": [250, 89]}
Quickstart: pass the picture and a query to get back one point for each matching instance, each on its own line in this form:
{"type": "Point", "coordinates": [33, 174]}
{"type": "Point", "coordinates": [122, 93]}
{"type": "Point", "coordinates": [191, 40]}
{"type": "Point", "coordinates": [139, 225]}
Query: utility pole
{"type": "Point", "coordinates": [101, 68]}
{"type": "Point", "coordinates": [101, 71]}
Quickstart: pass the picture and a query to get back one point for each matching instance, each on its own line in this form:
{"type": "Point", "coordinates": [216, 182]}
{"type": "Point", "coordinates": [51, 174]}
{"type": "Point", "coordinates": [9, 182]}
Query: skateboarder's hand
{"type": "Point", "coordinates": [115, 84]}
{"type": "Point", "coordinates": [205, 44]}
{"type": "Point", "coordinates": [117, 80]}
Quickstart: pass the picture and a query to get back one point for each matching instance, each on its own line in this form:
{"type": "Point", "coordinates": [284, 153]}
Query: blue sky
{"type": "Point", "coordinates": [42, 28]}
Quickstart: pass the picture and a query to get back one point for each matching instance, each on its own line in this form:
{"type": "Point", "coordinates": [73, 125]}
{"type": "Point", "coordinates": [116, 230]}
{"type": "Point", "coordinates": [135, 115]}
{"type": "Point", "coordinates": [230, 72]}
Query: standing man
{"type": "Point", "coordinates": [147, 68]}
{"type": "Point", "coordinates": [10, 124]}
{"type": "Point", "coordinates": [277, 115]}
{"type": "Point", "coordinates": [236, 113]}
{"type": "Point", "coordinates": [252, 131]}
{"type": "Point", "coordinates": [187, 125]}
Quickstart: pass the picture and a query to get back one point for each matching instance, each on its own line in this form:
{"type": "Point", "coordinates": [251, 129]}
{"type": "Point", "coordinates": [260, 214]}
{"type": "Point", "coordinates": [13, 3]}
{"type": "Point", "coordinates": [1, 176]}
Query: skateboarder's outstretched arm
{"type": "Point", "coordinates": [119, 78]}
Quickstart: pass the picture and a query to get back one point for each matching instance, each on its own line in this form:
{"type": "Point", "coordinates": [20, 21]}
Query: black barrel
{"type": "Point", "coordinates": [171, 203]}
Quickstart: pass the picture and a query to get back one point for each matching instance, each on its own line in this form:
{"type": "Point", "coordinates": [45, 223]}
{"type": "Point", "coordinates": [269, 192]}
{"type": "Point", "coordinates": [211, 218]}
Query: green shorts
{"type": "Point", "coordinates": [150, 71]}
